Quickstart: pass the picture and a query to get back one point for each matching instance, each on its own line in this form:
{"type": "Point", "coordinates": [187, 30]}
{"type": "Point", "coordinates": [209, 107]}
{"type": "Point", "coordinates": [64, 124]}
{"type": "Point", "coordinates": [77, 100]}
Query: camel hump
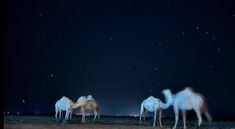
{"type": "Point", "coordinates": [64, 97]}
{"type": "Point", "coordinates": [151, 97]}
{"type": "Point", "coordinates": [189, 89]}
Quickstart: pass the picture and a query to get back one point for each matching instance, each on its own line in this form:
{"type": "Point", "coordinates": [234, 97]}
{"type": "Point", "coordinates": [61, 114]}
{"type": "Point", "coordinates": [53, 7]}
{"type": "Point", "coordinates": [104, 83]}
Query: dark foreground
{"type": "Point", "coordinates": [48, 122]}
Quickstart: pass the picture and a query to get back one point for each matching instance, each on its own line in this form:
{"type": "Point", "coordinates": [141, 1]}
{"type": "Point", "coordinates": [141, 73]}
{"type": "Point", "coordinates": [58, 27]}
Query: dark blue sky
{"type": "Point", "coordinates": [119, 51]}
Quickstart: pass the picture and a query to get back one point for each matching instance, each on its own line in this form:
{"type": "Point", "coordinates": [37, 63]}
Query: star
{"type": "Point", "coordinates": [182, 33]}
{"type": "Point", "coordinates": [23, 101]}
{"type": "Point", "coordinates": [213, 38]}
{"type": "Point", "coordinates": [110, 38]}
{"type": "Point", "coordinates": [197, 27]}
{"type": "Point", "coordinates": [52, 75]}
{"type": "Point", "coordinates": [155, 68]}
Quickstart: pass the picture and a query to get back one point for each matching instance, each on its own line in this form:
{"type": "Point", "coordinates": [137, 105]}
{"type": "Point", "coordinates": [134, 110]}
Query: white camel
{"type": "Point", "coordinates": [185, 100]}
{"type": "Point", "coordinates": [88, 103]}
{"type": "Point", "coordinates": [151, 104]}
{"type": "Point", "coordinates": [67, 105]}
{"type": "Point", "coordinates": [63, 104]}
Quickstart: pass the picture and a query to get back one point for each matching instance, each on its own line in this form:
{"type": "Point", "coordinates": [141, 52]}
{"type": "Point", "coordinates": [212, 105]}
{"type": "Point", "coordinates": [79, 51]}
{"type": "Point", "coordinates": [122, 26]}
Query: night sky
{"type": "Point", "coordinates": [120, 52]}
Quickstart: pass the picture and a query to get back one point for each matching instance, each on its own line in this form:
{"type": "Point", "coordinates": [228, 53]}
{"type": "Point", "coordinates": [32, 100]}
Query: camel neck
{"type": "Point", "coordinates": [169, 101]}
{"type": "Point", "coordinates": [74, 105]}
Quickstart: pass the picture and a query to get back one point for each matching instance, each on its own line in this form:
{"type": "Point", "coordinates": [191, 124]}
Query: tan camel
{"type": "Point", "coordinates": [90, 104]}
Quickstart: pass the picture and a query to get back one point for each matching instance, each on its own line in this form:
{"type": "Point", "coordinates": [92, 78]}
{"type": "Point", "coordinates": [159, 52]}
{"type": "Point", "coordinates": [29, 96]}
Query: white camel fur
{"type": "Point", "coordinates": [88, 103]}
{"type": "Point", "coordinates": [152, 104]}
{"type": "Point", "coordinates": [67, 105]}
{"type": "Point", "coordinates": [185, 100]}
{"type": "Point", "coordinates": [63, 104]}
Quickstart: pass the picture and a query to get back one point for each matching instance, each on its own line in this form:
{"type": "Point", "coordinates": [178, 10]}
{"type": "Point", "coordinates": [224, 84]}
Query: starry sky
{"type": "Point", "coordinates": [120, 52]}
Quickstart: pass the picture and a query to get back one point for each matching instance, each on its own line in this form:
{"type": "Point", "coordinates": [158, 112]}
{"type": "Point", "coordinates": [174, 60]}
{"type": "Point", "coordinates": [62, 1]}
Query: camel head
{"type": "Point", "coordinates": [169, 97]}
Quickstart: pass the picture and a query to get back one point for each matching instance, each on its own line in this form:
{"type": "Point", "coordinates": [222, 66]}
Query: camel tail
{"type": "Point", "coordinates": [205, 110]}
{"type": "Point", "coordinates": [141, 112]}
{"type": "Point", "coordinates": [208, 116]}
{"type": "Point", "coordinates": [97, 108]}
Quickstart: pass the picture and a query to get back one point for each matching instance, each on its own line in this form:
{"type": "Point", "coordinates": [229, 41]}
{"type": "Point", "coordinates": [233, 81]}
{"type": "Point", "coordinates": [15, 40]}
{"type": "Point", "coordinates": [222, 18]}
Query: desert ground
{"type": "Point", "coordinates": [49, 122]}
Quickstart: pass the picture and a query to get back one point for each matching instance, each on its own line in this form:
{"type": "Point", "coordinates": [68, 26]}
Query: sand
{"type": "Point", "coordinates": [32, 122]}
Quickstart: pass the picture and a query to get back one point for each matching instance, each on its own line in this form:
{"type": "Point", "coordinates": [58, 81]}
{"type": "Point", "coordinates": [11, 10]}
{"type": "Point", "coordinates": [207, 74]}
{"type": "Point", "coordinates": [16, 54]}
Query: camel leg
{"type": "Point", "coordinates": [83, 116]}
{"type": "Point", "coordinates": [84, 119]}
{"type": "Point", "coordinates": [184, 117]}
{"type": "Point", "coordinates": [98, 115]}
{"type": "Point", "coordinates": [67, 114]}
{"type": "Point", "coordinates": [60, 114]}
{"type": "Point", "coordinates": [154, 120]}
{"type": "Point", "coordinates": [198, 116]}
{"type": "Point", "coordinates": [71, 113]}
{"type": "Point", "coordinates": [140, 119]}
{"type": "Point", "coordinates": [95, 114]}
{"type": "Point", "coordinates": [56, 112]}
{"type": "Point", "coordinates": [145, 112]}
{"type": "Point", "coordinates": [176, 110]}
{"type": "Point", "coordinates": [141, 113]}
{"type": "Point", "coordinates": [160, 118]}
